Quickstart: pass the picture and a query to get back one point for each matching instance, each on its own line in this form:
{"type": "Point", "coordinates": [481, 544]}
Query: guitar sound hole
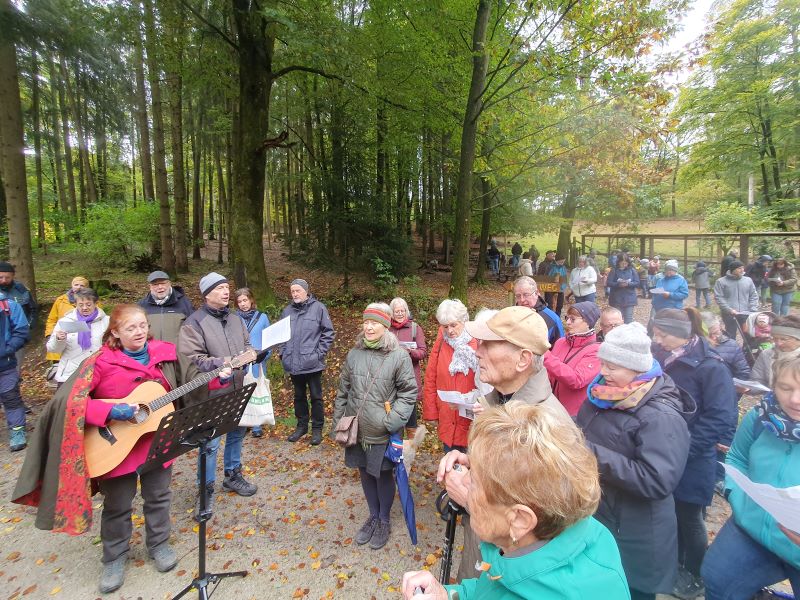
{"type": "Point", "coordinates": [142, 415]}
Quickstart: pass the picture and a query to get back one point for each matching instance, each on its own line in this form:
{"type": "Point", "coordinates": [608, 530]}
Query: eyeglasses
{"type": "Point", "coordinates": [571, 318]}
{"type": "Point", "coordinates": [524, 296]}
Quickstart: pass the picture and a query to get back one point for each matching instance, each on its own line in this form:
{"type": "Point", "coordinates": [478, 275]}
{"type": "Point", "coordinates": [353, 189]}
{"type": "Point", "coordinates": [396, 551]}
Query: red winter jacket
{"type": "Point", "coordinates": [572, 364]}
{"type": "Point", "coordinates": [115, 376]}
{"type": "Point", "coordinates": [453, 430]}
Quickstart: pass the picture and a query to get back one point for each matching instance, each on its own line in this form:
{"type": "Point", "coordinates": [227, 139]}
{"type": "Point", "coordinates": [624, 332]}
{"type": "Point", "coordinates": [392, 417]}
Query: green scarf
{"type": "Point", "coordinates": [373, 345]}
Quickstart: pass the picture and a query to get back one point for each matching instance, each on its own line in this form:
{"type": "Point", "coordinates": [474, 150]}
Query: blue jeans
{"type": "Point", "coordinates": [515, 260]}
{"type": "Point", "coordinates": [232, 457]}
{"type": "Point", "coordinates": [736, 567]}
{"type": "Point", "coordinates": [494, 264]}
{"type": "Point", "coordinates": [706, 294]}
{"type": "Point", "coordinates": [781, 303]}
{"type": "Point", "coordinates": [586, 298]}
{"type": "Point", "coordinates": [11, 399]}
{"type": "Point", "coordinates": [627, 314]}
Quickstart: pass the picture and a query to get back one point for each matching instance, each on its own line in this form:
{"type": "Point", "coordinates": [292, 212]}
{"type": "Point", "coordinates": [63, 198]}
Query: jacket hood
{"type": "Point", "coordinates": [667, 393]}
{"type": "Point", "coordinates": [301, 305]}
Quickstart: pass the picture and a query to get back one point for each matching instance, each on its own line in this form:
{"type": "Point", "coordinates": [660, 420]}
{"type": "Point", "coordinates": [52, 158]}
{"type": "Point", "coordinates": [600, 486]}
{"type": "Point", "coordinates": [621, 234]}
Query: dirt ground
{"type": "Point", "coordinates": [295, 536]}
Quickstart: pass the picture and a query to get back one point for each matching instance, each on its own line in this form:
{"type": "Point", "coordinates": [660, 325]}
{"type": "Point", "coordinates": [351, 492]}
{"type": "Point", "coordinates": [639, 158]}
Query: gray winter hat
{"type": "Point", "coordinates": [627, 346]}
{"type": "Point", "coordinates": [210, 281]}
{"type": "Point", "coordinates": [301, 282]}
{"type": "Point", "coordinates": [671, 264]}
{"type": "Point", "coordinates": [157, 276]}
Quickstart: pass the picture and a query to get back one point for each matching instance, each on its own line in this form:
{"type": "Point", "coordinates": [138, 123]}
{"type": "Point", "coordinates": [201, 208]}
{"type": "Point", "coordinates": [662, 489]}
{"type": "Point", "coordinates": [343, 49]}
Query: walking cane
{"type": "Point", "coordinates": [449, 512]}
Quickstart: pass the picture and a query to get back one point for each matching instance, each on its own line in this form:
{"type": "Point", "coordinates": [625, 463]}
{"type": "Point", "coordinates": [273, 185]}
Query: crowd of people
{"type": "Point", "coordinates": [583, 451]}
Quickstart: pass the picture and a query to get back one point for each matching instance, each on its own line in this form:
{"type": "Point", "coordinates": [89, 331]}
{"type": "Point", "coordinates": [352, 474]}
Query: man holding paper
{"type": "Point", "coordinates": [303, 357]}
{"type": "Point", "coordinates": [753, 549]}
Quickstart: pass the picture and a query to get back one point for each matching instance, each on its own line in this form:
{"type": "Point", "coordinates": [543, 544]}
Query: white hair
{"type": "Point", "coordinates": [710, 319]}
{"type": "Point", "coordinates": [525, 280]}
{"type": "Point", "coordinates": [582, 257]}
{"type": "Point", "coordinates": [451, 311]}
{"type": "Point", "coordinates": [400, 303]}
{"type": "Point", "coordinates": [485, 314]}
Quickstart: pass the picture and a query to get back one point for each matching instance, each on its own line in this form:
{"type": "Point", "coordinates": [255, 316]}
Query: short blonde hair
{"type": "Point", "coordinates": [526, 454]}
{"type": "Point", "coordinates": [785, 364]}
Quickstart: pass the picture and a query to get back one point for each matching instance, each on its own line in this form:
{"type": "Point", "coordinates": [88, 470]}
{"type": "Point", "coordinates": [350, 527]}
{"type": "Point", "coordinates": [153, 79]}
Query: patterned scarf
{"type": "Point", "coordinates": [678, 352]}
{"type": "Point", "coordinates": [776, 421]}
{"type": "Point", "coordinates": [620, 398]}
{"type": "Point", "coordinates": [73, 510]}
{"type": "Point", "coordinates": [85, 337]}
{"type": "Point", "coordinates": [464, 359]}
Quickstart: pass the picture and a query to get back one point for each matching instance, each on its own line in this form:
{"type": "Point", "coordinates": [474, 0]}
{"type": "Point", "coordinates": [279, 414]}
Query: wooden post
{"type": "Point", "coordinates": [686, 254]}
{"type": "Point", "coordinates": [744, 248]}
{"type": "Point", "coordinates": [583, 243]}
{"type": "Point", "coordinates": [641, 246]}
{"type": "Point", "coordinates": [652, 248]}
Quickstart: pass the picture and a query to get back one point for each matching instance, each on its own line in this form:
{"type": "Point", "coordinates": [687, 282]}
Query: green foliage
{"type": "Point", "coordinates": [385, 280]}
{"type": "Point", "coordinates": [420, 298]}
{"type": "Point", "coordinates": [703, 195]}
{"type": "Point", "coordinates": [735, 217]}
{"type": "Point", "coordinates": [114, 235]}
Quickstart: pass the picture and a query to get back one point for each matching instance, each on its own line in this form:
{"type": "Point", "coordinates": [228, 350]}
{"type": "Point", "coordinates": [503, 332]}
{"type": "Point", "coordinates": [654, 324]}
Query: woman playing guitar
{"type": "Point", "coordinates": [55, 476]}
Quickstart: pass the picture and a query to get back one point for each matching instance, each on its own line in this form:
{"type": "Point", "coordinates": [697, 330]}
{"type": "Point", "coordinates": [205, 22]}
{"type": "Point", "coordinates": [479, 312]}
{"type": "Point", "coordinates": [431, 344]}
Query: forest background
{"type": "Point", "coordinates": [138, 132]}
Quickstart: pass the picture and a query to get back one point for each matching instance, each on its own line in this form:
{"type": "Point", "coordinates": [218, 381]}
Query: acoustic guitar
{"type": "Point", "coordinates": [106, 447]}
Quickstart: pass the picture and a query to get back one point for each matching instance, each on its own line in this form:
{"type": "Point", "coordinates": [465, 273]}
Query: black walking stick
{"type": "Point", "coordinates": [449, 512]}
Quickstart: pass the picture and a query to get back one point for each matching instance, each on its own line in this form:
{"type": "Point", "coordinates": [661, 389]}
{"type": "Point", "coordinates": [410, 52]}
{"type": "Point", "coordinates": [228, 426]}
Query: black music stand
{"type": "Point", "coordinates": [194, 427]}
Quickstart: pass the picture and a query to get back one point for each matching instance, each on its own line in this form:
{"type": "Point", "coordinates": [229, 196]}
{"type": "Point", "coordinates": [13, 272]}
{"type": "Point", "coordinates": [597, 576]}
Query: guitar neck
{"type": "Point", "coordinates": [184, 389]}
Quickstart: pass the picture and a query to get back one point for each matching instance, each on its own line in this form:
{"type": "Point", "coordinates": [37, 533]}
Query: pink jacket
{"type": "Point", "coordinates": [115, 376]}
{"type": "Point", "coordinates": [572, 364]}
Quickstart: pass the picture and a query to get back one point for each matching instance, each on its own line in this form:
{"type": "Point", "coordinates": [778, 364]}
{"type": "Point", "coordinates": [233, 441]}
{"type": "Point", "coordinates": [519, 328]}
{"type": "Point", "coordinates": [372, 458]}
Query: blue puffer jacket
{"type": "Point", "coordinates": [764, 458]}
{"type": "Point", "coordinates": [678, 291]}
{"type": "Point", "coordinates": [14, 332]}
{"type": "Point", "coordinates": [312, 337]}
{"type": "Point", "coordinates": [731, 353]}
{"type": "Point", "coordinates": [22, 295]}
{"type": "Point", "coordinates": [622, 296]}
{"type": "Point", "coordinates": [702, 374]}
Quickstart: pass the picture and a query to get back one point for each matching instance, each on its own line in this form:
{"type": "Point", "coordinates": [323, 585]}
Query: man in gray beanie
{"type": "Point", "coordinates": [303, 357]}
{"type": "Point", "coordinates": [209, 337]}
{"type": "Point", "coordinates": [737, 296]}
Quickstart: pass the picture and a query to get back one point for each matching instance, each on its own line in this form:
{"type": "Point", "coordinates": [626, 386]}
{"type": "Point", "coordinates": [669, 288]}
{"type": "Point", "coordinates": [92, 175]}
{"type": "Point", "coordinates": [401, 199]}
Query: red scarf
{"type": "Point", "coordinates": [397, 325]}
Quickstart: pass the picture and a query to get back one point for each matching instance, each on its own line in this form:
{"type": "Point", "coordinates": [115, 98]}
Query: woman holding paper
{"type": "Point", "coordinates": [412, 338]}
{"type": "Point", "coordinates": [451, 367]}
{"type": "Point", "coordinates": [256, 322]}
{"type": "Point", "coordinates": [78, 333]}
{"type": "Point", "coordinates": [754, 550]}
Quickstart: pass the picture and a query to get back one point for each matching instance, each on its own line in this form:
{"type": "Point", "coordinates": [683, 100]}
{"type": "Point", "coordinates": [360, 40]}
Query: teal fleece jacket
{"type": "Point", "coordinates": [764, 458]}
{"type": "Point", "coordinates": [583, 562]}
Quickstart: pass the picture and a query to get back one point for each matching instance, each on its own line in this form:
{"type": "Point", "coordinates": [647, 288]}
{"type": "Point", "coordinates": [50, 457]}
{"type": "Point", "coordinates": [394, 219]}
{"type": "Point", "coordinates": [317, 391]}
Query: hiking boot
{"type": "Point", "coordinates": [209, 503]}
{"type": "Point", "coordinates": [164, 557]}
{"type": "Point", "coordinates": [688, 586]}
{"type": "Point", "coordinates": [380, 536]}
{"type": "Point", "coordinates": [235, 482]}
{"type": "Point", "coordinates": [113, 575]}
{"type": "Point", "coordinates": [367, 529]}
{"type": "Point", "coordinates": [297, 434]}
{"type": "Point", "coordinates": [316, 437]}
{"type": "Point", "coordinates": [17, 440]}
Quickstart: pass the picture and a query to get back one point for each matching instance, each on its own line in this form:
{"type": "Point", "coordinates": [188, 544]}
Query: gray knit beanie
{"type": "Point", "coordinates": [210, 281]}
{"type": "Point", "coordinates": [301, 282]}
{"type": "Point", "coordinates": [672, 265]}
{"type": "Point", "coordinates": [627, 346]}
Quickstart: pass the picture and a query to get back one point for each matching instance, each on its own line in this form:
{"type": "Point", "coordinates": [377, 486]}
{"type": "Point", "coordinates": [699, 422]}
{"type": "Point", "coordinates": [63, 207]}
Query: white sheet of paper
{"type": "Point", "coordinates": [73, 326]}
{"type": "Point", "coordinates": [457, 398]}
{"type": "Point", "coordinates": [657, 290]}
{"type": "Point", "coordinates": [465, 412]}
{"type": "Point", "coordinates": [411, 345]}
{"type": "Point", "coordinates": [277, 333]}
{"type": "Point", "coordinates": [782, 503]}
{"type": "Point", "coordinates": [753, 386]}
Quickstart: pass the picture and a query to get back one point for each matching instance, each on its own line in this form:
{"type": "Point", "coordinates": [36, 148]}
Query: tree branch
{"type": "Point", "coordinates": [208, 23]}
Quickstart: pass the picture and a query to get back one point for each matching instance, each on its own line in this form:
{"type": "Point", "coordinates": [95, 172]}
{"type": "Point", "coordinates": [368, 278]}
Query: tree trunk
{"type": "Point", "coordinates": [145, 157]}
{"type": "Point", "coordinates": [62, 104]}
{"type": "Point", "coordinates": [12, 157]}
{"type": "Point", "coordinates": [41, 242]}
{"type": "Point", "coordinates": [56, 140]}
{"type": "Point", "coordinates": [486, 227]}
{"type": "Point", "coordinates": [159, 147]}
{"type": "Point", "coordinates": [175, 86]}
{"type": "Point", "coordinates": [83, 150]}
{"type": "Point", "coordinates": [480, 61]}
{"type": "Point", "coordinates": [197, 201]}
{"type": "Point", "coordinates": [568, 210]}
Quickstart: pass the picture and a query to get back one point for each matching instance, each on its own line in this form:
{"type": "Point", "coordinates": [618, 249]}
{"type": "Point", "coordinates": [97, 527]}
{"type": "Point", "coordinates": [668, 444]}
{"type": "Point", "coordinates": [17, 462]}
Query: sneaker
{"type": "Point", "coordinates": [235, 482]}
{"type": "Point", "coordinates": [367, 529]}
{"type": "Point", "coordinates": [209, 503]}
{"type": "Point", "coordinates": [17, 440]}
{"type": "Point", "coordinates": [297, 434]}
{"type": "Point", "coordinates": [257, 432]}
{"type": "Point", "coordinates": [113, 575]}
{"type": "Point", "coordinates": [164, 557]}
{"type": "Point", "coordinates": [688, 586]}
{"type": "Point", "coordinates": [380, 536]}
{"type": "Point", "coordinates": [316, 437]}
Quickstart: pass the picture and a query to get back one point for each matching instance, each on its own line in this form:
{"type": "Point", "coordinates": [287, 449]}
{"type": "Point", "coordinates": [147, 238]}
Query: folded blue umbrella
{"type": "Point", "coordinates": [394, 452]}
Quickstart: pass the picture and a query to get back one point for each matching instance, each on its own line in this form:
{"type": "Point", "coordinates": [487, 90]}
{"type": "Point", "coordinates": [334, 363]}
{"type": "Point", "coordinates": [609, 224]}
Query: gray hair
{"type": "Point", "coordinates": [451, 311]}
{"type": "Point", "coordinates": [710, 319]}
{"type": "Point", "coordinates": [87, 293]}
{"type": "Point", "coordinates": [611, 310]}
{"type": "Point", "coordinates": [583, 257]}
{"type": "Point", "coordinates": [525, 280]}
{"type": "Point", "coordinates": [401, 303]}
{"type": "Point", "coordinates": [485, 314]}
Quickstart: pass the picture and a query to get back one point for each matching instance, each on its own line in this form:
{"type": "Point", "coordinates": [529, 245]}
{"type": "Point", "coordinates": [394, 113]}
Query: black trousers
{"type": "Point", "coordinates": [116, 526]}
{"type": "Point", "coordinates": [692, 536]}
{"type": "Point", "coordinates": [314, 383]}
{"type": "Point", "coordinates": [730, 320]}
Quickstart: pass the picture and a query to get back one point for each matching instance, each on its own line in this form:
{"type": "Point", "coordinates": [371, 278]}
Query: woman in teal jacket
{"type": "Point", "coordinates": [752, 550]}
{"type": "Point", "coordinates": [256, 322]}
{"type": "Point", "coordinates": [530, 492]}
